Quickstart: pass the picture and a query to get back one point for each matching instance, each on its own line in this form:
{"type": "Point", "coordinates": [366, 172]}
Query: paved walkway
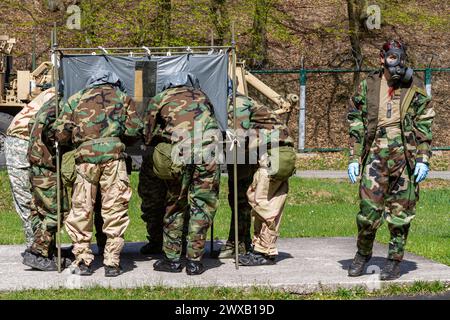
{"type": "Point", "coordinates": [304, 265]}
{"type": "Point", "coordinates": [335, 174]}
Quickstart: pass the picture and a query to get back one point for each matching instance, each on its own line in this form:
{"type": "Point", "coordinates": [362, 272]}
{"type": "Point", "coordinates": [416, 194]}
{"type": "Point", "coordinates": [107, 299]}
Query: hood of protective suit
{"type": "Point", "coordinates": [179, 79]}
{"type": "Point", "coordinates": [104, 77]}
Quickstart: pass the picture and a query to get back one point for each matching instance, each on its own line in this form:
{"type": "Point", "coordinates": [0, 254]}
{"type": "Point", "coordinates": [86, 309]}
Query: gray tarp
{"type": "Point", "coordinates": [211, 71]}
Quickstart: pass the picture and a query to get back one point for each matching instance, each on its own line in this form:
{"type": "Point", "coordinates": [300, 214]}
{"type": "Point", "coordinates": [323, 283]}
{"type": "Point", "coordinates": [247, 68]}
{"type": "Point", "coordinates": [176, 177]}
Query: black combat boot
{"type": "Point", "coordinates": [81, 269]}
{"type": "Point", "coordinates": [194, 267]}
{"type": "Point", "coordinates": [111, 271]}
{"type": "Point", "coordinates": [167, 265]}
{"type": "Point", "coordinates": [255, 258]}
{"type": "Point", "coordinates": [357, 267]}
{"type": "Point", "coordinates": [391, 270]}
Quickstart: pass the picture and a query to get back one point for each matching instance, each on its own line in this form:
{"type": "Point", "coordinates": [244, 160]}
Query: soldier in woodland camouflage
{"type": "Point", "coordinates": [179, 118]}
{"type": "Point", "coordinates": [43, 179]}
{"type": "Point", "coordinates": [16, 148]}
{"type": "Point", "coordinates": [265, 195]}
{"type": "Point", "coordinates": [390, 121]}
{"type": "Point", "coordinates": [96, 120]}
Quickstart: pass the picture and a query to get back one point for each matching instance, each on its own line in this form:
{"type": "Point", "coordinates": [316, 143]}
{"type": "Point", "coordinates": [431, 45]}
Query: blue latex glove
{"type": "Point", "coordinates": [353, 171]}
{"type": "Point", "coordinates": [421, 171]}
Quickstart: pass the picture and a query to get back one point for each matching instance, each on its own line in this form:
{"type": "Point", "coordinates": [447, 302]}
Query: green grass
{"type": "Point", "coordinates": [220, 293]}
{"type": "Point", "coordinates": [315, 208]}
{"type": "Point", "coordinates": [440, 161]}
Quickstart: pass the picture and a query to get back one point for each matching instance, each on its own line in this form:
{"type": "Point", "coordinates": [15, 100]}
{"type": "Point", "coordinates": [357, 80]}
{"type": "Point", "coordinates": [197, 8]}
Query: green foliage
{"type": "Point", "coordinates": [412, 15]}
{"type": "Point", "coordinates": [132, 23]}
{"type": "Point", "coordinates": [279, 31]}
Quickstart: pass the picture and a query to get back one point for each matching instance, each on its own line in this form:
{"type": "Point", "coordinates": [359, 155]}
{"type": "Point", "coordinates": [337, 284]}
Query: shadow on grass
{"type": "Point", "coordinates": [376, 264]}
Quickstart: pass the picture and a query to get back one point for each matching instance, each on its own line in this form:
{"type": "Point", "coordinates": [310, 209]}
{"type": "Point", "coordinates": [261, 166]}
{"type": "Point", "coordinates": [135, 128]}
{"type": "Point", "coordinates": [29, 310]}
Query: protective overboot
{"type": "Point", "coordinates": [255, 258]}
{"type": "Point", "coordinates": [391, 270]}
{"type": "Point", "coordinates": [39, 262]}
{"type": "Point", "coordinates": [28, 258]}
{"type": "Point", "coordinates": [227, 251]}
{"type": "Point", "coordinates": [167, 265]}
{"type": "Point", "coordinates": [151, 248]}
{"type": "Point", "coordinates": [81, 269]}
{"type": "Point", "coordinates": [67, 257]}
{"type": "Point", "coordinates": [357, 267]}
{"type": "Point", "coordinates": [194, 267]}
{"type": "Point", "coordinates": [111, 271]}
{"type": "Point", "coordinates": [65, 261]}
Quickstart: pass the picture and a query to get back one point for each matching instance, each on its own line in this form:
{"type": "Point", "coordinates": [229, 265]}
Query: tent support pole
{"type": "Point", "coordinates": [57, 155]}
{"type": "Point", "coordinates": [235, 145]}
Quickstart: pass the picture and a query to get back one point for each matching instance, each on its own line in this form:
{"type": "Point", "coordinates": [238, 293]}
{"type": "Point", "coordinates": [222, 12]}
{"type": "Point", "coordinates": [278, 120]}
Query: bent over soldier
{"type": "Point", "coordinates": [180, 125]}
{"type": "Point", "coordinates": [95, 120]}
{"type": "Point", "coordinates": [270, 144]}
{"type": "Point", "coordinates": [390, 121]}
{"type": "Point", "coordinates": [43, 179]}
{"type": "Point", "coordinates": [16, 155]}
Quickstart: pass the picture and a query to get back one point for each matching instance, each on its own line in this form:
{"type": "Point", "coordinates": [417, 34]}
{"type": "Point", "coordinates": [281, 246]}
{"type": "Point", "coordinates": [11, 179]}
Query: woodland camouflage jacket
{"type": "Point", "coordinates": [41, 149]}
{"type": "Point", "coordinates": [178, 110]}
{"type": "Point", "coordinates": [251, 115]}
{"type": "Point", "coordinates": [416, 115]}
{"type": "Point", "coordinates": [94, 120]}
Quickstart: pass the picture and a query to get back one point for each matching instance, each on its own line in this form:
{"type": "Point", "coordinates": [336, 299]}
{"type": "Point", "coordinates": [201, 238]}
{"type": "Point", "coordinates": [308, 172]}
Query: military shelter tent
{"type": "Point", "coordinates": [211, 70]}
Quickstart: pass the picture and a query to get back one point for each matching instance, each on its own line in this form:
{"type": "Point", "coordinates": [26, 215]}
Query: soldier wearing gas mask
{"type": "Point", "coordinates": [390, 120]}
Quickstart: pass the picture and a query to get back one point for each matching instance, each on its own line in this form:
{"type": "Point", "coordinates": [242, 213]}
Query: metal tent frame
{"type": "Point", "coordinates": [56, 53]}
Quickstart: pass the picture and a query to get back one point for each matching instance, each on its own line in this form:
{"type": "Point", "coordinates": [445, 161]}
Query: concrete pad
{"type": "Point", "coordinates": [341, 174]}
{"type": "Point", "coordinates": [304, 265]}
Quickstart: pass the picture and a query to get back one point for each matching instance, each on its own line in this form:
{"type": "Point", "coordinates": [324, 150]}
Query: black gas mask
{"type": "Point", "coordinates": [396, 67]}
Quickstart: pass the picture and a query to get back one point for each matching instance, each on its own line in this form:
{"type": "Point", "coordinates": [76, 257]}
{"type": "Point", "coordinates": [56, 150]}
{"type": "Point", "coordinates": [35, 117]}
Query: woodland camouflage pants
{"type": "Point", "coordinates": [387, 192]}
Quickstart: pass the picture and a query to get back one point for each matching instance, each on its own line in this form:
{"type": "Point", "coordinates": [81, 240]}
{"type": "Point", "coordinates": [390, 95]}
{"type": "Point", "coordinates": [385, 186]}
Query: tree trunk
{"type": "Point", "coordinates": [355, 10]}
{"type": "Point", "coordinates": [163, 21]}
{"type": "Point", "coordinates": [220, 19]}
{"type": "Point", "coordinates": [258, 41]}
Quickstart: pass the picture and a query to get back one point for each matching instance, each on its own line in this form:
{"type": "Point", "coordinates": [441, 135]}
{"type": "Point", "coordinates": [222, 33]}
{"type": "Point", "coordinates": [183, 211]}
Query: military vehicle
{"type": "Point", "coordinates": [17, 88]}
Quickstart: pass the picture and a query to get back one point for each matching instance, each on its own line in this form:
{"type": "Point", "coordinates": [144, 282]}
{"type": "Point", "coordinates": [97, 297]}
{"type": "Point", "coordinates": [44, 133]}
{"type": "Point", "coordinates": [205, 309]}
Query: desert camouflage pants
{"type": "Point", "coordinates": [112, 179]}
{"type": "Point", "coordinates": [19, 177]}
{"type": "Point", "coordinates": [200, 199]}
{"type": "Point", "coordinates": [387, 192]}
{"type": "Point", "coordinates": [267, 198]}
{"type": "Point", "coordinates": [245, 177]}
